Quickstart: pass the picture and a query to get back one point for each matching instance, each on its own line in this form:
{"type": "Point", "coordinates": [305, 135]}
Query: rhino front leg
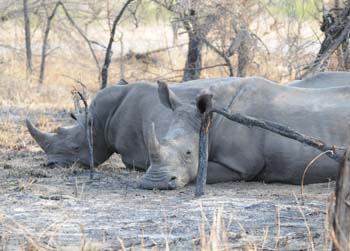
{"type": "Point", "coordinates": [135, 165]}
{"type": "Point", "coordinates": [219, 173]}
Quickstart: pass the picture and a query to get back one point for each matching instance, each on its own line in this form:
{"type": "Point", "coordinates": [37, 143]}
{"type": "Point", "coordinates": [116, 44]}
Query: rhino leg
{"type": "Point", "coordinates": [219, 173]}
{"type": "Point", "coordinates": [134, 165]}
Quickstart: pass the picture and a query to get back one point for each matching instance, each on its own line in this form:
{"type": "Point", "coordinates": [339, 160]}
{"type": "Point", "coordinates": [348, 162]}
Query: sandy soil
{"type": "Point", "coordinates": [62, 209]}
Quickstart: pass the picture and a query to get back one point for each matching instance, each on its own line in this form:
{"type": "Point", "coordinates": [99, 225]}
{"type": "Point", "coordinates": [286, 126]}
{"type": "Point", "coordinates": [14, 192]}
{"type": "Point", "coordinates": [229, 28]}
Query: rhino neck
{"type": "Point", "coordinates": [104, 105]}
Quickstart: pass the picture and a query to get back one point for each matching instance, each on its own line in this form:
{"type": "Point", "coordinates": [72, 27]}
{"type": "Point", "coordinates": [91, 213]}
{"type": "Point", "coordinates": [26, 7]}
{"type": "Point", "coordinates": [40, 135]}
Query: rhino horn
{"type": "Point", "coordinates": [153, 144]}
{"type": "Point", "coordinates": [43, 139]}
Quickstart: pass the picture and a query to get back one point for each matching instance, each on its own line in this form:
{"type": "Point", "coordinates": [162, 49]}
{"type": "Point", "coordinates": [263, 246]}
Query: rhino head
{"type": "Point", "coordinates": [64, 147]}
{"type": "Point", "coordinates": [174, 158]}
{"type": "Point", "coordinates": [69, 145]}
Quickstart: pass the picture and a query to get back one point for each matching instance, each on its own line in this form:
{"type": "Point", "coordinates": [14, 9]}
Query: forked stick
{"type": "Point", "coordinates": [88, 125]}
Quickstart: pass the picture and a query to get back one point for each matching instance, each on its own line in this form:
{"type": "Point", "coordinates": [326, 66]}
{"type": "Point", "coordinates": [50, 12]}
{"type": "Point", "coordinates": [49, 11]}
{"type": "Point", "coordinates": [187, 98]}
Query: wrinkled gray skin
{"type": "Point", "coordinates": [237, 152]}
{"type": "Point", "coordinates": [157, 128]}
{"type": "Point", "coordinates": [122, 117]}
{"type": "Point", "coordinates": [324, 80]}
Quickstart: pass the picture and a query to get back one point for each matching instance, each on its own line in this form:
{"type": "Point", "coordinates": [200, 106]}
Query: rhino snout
{"type": "Point", "coordinates": [154, 182]}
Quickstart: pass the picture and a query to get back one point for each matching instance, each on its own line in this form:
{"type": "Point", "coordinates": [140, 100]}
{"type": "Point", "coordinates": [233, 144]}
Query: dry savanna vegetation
{"type": "Point", "coordinates": [49, 47]}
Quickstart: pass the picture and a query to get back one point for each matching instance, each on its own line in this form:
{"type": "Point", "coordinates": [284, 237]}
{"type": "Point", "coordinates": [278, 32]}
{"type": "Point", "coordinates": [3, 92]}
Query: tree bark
{"type": "Point", "coordinates": [197, 29]}
{"type": "Point", "coordinates": [109, 52]}
{"type": "Point", "coordinates": [243, 53]}
{"type": "Point", "coordinates": [203, 153]}
{"type": "Point", "coordinates": [45, 43]}
{"type": "Point", "coordinates": [194, 57]}
{"type": "Point", "coordinates": [27, 39]}
{"type": "Point", "coordinates": [346, 44]}
{"type": "Point", "coordinates": [336, 32]}
{"type": "Point", "coordinates": [341, 217]}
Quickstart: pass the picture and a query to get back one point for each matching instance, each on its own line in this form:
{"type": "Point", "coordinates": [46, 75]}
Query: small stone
{"type": "Point", "coordinates": [7, 166]}
{"type": "Point", "coordinates": [39, 174]}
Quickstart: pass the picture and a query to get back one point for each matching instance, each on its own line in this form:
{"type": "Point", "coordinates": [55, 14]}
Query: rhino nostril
{"type": "Point", "coordinates": [172, 178]}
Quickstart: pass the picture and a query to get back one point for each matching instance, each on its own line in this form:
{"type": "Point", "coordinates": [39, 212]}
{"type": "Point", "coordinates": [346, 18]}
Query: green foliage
{"type": "Point", "coordinates": [296, 9]}
{"type": "Point", "coordinates": [152, 12]}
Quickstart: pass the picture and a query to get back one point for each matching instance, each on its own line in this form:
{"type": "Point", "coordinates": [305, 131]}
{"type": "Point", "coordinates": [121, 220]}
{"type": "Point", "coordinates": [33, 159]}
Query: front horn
{"type": "Point", "coordinates": [153, 144]}
{"type": "Point", "coordinates": [43, 139]}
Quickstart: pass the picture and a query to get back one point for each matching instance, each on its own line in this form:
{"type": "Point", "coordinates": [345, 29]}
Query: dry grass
{"type": "Point", "coordinates": [21, 98]}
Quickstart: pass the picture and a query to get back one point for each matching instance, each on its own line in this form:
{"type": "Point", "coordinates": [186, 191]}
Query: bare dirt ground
{"type": "Point", "coordinates": [62, 209]}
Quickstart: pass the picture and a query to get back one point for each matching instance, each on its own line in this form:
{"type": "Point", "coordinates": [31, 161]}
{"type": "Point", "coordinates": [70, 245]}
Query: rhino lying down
{"type": "Point", "coordinates": [160, 135]}
{"type": "Point", "coordinates": [323, 80]}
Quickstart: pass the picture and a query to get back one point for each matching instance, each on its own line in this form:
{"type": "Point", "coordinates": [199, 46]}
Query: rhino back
{"type": "Point", "coordinates": [324, 80]}
{"type": "Point", "coordinates": [259, 154]}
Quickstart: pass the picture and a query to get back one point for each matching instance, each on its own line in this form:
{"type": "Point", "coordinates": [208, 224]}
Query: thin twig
{"type": "Point", "coordinates": [71, 20]}
{"type": "Point", "coordinates": [307, 168]}
{"type": "Point", "coordinates": [89, 131]}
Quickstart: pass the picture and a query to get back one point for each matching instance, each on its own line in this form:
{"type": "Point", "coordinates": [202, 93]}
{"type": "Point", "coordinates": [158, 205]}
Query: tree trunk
{"type": "Point", "coordinates": [109, 52]}
{"type": "Point", "coordinates": [45, 43]}
{"type": "Point", "coordinates": [341, 217]}
{"type": "Point", "coordinates": [243, 54]}
{"type": "Point", "coordinates": [27, 39]}
{"type": "Point", "coordinates": [194, 57]}
{"type": "Point", "coordinates": [346, 44]}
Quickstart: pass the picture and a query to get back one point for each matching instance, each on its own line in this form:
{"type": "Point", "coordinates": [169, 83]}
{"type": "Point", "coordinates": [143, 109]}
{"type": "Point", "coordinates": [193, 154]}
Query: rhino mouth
{"type": "Point", "coordinates": [161, 185]}
{"type": "Point", "coordinates": [55, 163]}
{"type": "Point", "coordinates": [158, 180]}
{"type": "Point", "coordinates": [58, 160]}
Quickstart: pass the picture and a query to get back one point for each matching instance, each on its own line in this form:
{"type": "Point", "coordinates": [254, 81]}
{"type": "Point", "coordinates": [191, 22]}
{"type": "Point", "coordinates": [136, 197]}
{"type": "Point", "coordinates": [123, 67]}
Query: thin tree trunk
{"type": "Point", "coordinates": [109, 52]}
{"type": "Point", "coordinates": [121, 57]}
{"type": "Point", "coordinates": [27, 39]}
{"type": "Point", "coordinates": [341, 217]}
{"type": "Point", "coordinates": [243, 53]}
{"type": "Point", "coordinates": [71, 20]}
{"type": "Point", "coordinates": [194, 57]}
{"type": "Point", "coordinates": [45, 41]}
{"type": "Point", "coordinates": [346, 44]}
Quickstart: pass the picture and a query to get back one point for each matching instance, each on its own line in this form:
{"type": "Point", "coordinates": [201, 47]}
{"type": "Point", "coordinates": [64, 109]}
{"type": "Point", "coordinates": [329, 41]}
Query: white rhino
{"type": "Point", "coordinates": [155, 128]}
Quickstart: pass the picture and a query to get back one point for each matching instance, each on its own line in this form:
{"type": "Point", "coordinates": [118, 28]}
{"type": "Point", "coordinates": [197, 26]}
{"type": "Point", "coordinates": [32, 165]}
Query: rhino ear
{"type": "Point", "coordinates": [204, 102]}
{"type": "Point", "coordinates": [79, 118]}
{"type": "Point", "coordinates": [123, 82]}
{"type": "Point", "coordinates": [167, 97]}
{"type": "Point", "coordinates": [72, 115]}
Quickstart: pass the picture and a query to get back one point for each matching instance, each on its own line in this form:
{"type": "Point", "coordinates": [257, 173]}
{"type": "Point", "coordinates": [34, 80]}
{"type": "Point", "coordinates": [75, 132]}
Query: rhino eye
{"type": "Point", "coordinates": [188, 152]}
{"type": "Point", "coordinates": [75, 148]}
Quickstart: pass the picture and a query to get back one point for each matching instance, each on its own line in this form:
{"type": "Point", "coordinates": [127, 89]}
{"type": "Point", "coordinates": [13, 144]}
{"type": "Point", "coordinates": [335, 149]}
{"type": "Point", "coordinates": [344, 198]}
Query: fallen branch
{"type": "Point", "coordinates": [331, 151]}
